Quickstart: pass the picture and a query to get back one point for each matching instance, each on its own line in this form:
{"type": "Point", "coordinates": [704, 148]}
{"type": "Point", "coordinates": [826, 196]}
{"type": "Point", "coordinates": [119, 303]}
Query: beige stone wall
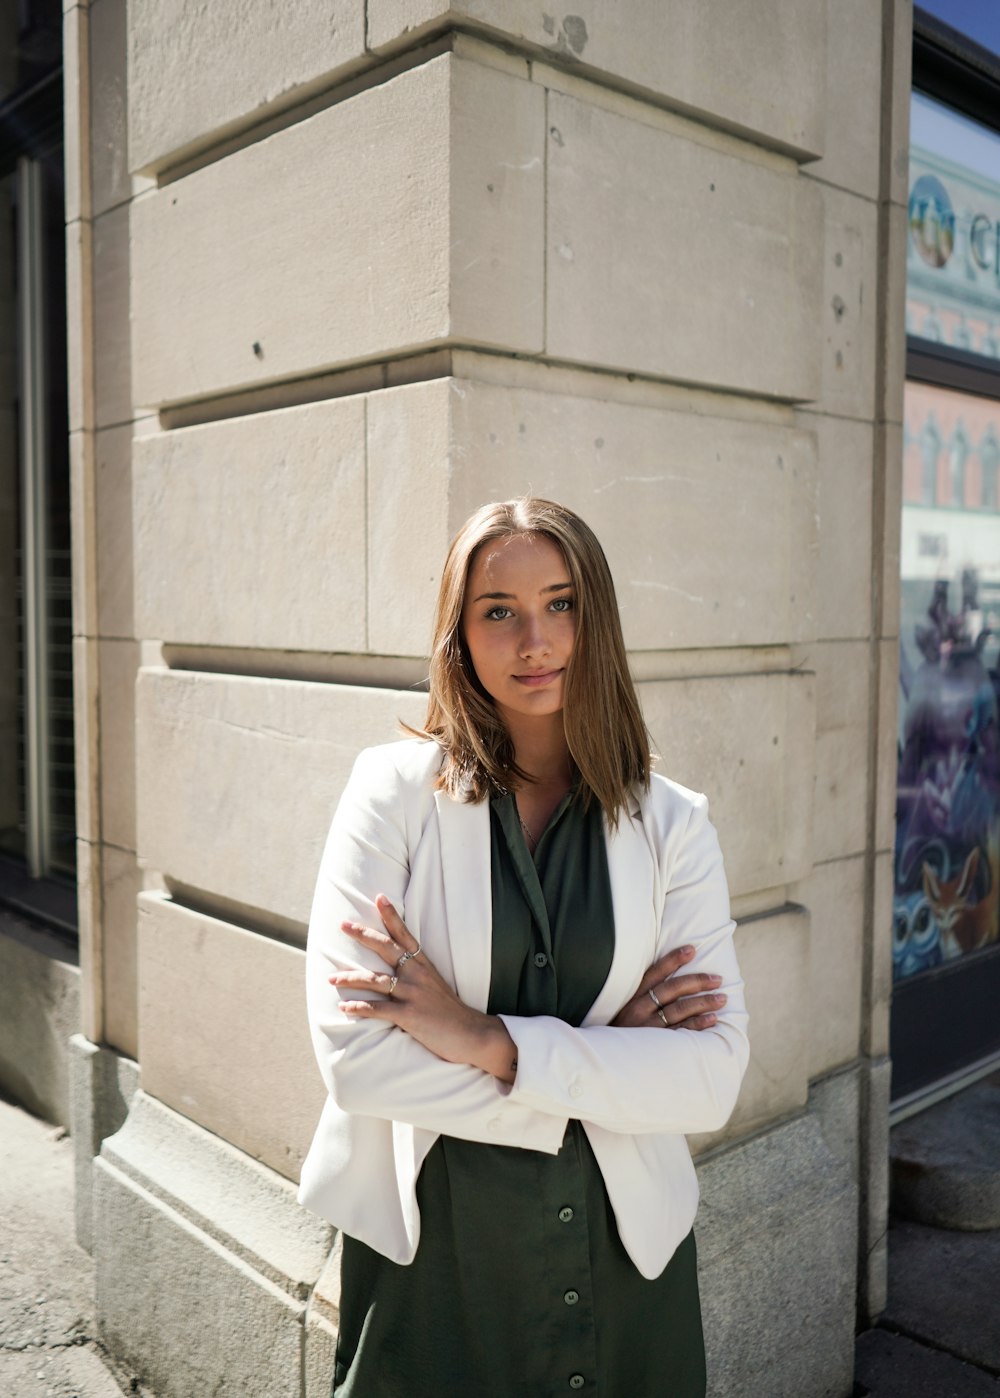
{"type": "Point", "coordinates": [102, 421]}
{"type": "Point", "coordinates": [345, 285]}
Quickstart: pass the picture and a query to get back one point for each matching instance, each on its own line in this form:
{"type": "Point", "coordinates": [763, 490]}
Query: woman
{"type": "Point", "coordinates": [522, 991]}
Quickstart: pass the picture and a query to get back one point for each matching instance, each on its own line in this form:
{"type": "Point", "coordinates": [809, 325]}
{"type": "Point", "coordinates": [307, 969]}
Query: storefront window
{"type": "Point", "coordinates": [947, 869]}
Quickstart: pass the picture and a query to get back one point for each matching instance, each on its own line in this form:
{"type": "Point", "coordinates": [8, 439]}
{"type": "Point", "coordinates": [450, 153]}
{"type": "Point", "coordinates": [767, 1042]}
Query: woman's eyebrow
{"type": "Point", "coordinates": [510, 596]}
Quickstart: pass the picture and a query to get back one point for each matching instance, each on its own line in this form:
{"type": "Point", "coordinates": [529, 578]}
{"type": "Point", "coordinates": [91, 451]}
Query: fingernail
{"type": "Point", "coordinates": [715, 979]}
{"type": "Point", "coordinates": [718, 999]}
{"type": "Point", "coordinates": [687, 951]}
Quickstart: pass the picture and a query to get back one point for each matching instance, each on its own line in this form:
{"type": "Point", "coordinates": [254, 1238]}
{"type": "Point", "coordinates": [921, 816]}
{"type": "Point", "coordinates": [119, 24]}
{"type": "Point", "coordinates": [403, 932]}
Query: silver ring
{"type": "Point", "coordinates": [662, 1018]}
{"type": "Point", "coordinates": [392, 984]}
{"type": "Point", "coordinates": [407, 956]}
{"type": "Point", "coordinates": [652, 995]}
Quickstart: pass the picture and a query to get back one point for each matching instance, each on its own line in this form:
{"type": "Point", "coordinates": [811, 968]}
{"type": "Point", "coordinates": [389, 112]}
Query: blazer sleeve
{"type": "Point", "coordinates": [652, 1080]}
{"type": "Point", "coordinates": [370, 1067]}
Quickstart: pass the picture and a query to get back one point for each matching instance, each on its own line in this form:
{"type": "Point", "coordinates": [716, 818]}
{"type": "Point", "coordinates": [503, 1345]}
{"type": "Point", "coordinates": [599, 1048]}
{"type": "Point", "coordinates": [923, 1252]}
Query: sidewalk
{"type": "Point", "coordinates": [46, 1280]}
{"type": "Point", "coordinates": [940, 1334]}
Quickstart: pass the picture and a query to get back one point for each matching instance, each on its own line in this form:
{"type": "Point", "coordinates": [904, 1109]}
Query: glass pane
{"type": "Point", "coordinates": [953, 252]}
{"type": "Point", "coordinates": [948, 803]}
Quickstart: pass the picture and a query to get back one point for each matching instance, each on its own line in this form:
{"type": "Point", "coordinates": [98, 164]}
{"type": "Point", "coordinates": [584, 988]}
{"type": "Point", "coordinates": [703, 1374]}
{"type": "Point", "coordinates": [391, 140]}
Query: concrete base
{"type": "Point", "coordinates": [211, 1279]}
{"type": "Point", "coordinates": [39, 1010]}
{"type": "Point", "coordinates": [946, 1161]}
{"type": "Point", "coordinates": [102, 1085]}
{"type": "Point", "coordinates": [777, 1238]}
{"type": "Point", "coordinates": [206, 1264]}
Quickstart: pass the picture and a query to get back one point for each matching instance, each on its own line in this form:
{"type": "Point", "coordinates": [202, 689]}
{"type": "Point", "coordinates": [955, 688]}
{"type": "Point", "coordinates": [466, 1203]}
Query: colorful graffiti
{"type": "Point", "coordinates": [947, 862]}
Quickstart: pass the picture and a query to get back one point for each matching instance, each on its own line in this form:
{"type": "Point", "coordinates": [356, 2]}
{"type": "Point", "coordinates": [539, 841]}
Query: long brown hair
{"type": "Point", "coordinates": [604, 728]}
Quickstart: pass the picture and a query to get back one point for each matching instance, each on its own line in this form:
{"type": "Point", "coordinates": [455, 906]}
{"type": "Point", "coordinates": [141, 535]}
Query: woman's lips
{"type": "Point", "coordinates": [538, 679]}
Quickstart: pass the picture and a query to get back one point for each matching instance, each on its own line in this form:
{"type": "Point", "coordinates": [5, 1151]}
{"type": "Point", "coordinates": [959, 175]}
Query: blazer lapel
{"type": "Point", "coordinates": [631, 870]}
{"type": "Point", "coordinates": [465, 863]}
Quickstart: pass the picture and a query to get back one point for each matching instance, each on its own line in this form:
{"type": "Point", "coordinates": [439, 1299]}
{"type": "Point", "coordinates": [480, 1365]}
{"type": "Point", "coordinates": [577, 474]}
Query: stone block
{"type": "Point", "coordinates": [746, 740]}
{"type": "Point", "coordinates": [842, 718]}
{"type": "Point", "coordinates": [853, 97]}
{"type": "Point", "coordinates": [119, 661]}
{"type": "Point", "coordinates": [892, 273]}
{"type": "Point", "coordinates": [101, 1087]}
{"type": "Point", "coordinates": [251, 531]}
{"type": "Point", "coordinates": [196, 72]}
{"type": "Point", "coordinates": [39, 1010]}
{"type": "Point", "coordinates": [773, 953]}
{"type": "Point", "coordinates": [196, 1033]}
{"type": "Point", "coordinates": [90, 938]}
{"type": "Point", "coordinates": [834, 893]}
{"type": "Point", "coordinates": [83, 532]}
{"type": "Point", "coordinates": [878, 995]}
{"type": "Point", "coordinates": [79, 325]}
{"type": "Point", "coordinates": [268, 759]}
{"type": "Point", "coordinates": [112, 331]}
{"type": "Point", "coordinates": [439, 231]}
{"type": "Point", "coordinates": [114, 553]}
{"type": "Point", "coordinates": [654, 240]}
{"type": "Point", "coordinates": [777, 1232]}
{"type": "Point", "coordinates": [171, 1201]}
{"type": "Point", "coordinates": [844, 506]}
{"type": "Point", "coordinates": [848, 315]}
{"type": "Point", "coordinates": [85, 736]}
{"type": "Point", "coordinates": [668, 492]}
{"type": "Point", "coordinates": [759, 70]}
{"type": "Point", "coordinates": [76, 113]}
{"type": "Point", "coordinates": [108, 116]}
{"type": "Point", "coordinates": [889, 455]}
{"type": "Point", "coordinates": [121, 881]}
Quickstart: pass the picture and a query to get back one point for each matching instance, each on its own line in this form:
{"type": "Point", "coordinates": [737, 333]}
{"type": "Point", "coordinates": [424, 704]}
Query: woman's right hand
{"type": "Point", "coordinates": [676, 1002]}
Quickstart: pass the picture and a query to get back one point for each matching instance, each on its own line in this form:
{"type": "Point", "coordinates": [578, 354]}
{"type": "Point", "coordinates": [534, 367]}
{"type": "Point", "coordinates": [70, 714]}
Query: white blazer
{"type": "Point", "coordinates": [635, 1090]}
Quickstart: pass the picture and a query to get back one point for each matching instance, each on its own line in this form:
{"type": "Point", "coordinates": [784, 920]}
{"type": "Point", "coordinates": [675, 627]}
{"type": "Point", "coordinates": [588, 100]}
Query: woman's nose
{"type": "Point", "coordinates": [534, 638]}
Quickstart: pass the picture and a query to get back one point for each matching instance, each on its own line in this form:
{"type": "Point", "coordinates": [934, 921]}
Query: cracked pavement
{"type": "Point", "coordinates": [47, 1345]}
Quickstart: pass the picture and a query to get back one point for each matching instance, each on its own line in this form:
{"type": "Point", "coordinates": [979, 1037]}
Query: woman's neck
{"type": "Point", "coordinates": [541, 750]}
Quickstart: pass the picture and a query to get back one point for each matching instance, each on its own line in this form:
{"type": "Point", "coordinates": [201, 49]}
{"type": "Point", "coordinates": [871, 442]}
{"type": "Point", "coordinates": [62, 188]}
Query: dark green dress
{"type": "Point", "coordinates": [520, 1287]}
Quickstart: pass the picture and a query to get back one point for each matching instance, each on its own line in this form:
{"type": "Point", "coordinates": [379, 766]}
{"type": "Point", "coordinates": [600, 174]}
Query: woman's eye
{"type": "Point", "coordinates": [498, 613]}
{"type": "Point", "coordinates": [562, 604]}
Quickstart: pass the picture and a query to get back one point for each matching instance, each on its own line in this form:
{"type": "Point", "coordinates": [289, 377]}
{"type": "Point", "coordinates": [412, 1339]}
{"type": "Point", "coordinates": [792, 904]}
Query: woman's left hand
{"type": "Point", "coordinates": [416, 998]}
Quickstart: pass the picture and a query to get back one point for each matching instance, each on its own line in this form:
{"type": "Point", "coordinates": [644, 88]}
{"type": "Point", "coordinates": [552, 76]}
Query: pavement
{"type": "Point", "coordinates": [48, 1347]}
{"type": "Point", "coordinates": [938, 1338]}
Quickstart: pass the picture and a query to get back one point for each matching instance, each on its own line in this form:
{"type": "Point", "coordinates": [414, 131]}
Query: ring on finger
{"type": "Point", "coordinates": [652, 995]}
{"type": "Point", "coordinates": [662, 1018]}
{"type": "Point", "coordinates": [392, 984]}
{"type": "Point", "coordinates": [408, 956]}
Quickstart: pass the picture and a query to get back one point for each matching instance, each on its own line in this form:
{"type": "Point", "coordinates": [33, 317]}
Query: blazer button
{"type": "Point", "coordinates": [576, 1380]}
{"type": "Point", "coordinates": [541, 960]}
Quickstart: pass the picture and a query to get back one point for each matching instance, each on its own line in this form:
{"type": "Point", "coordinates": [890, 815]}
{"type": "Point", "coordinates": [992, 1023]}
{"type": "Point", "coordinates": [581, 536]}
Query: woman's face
{"type": "Point", "coordinates": [519, 623]}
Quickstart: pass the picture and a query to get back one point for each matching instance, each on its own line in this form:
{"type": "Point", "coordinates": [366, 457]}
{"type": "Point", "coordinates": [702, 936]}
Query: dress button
{"type": "Point", "coordinates": [565, 1214]}
{"type": "Point", "coordinates": [576, 1380]}
{"type": "Point", "coordinates": [541, 960]}
{"type": "Point", "coordinates": [571, 1297]}
{"type": "Point", "coordinates": [575, 1090]}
